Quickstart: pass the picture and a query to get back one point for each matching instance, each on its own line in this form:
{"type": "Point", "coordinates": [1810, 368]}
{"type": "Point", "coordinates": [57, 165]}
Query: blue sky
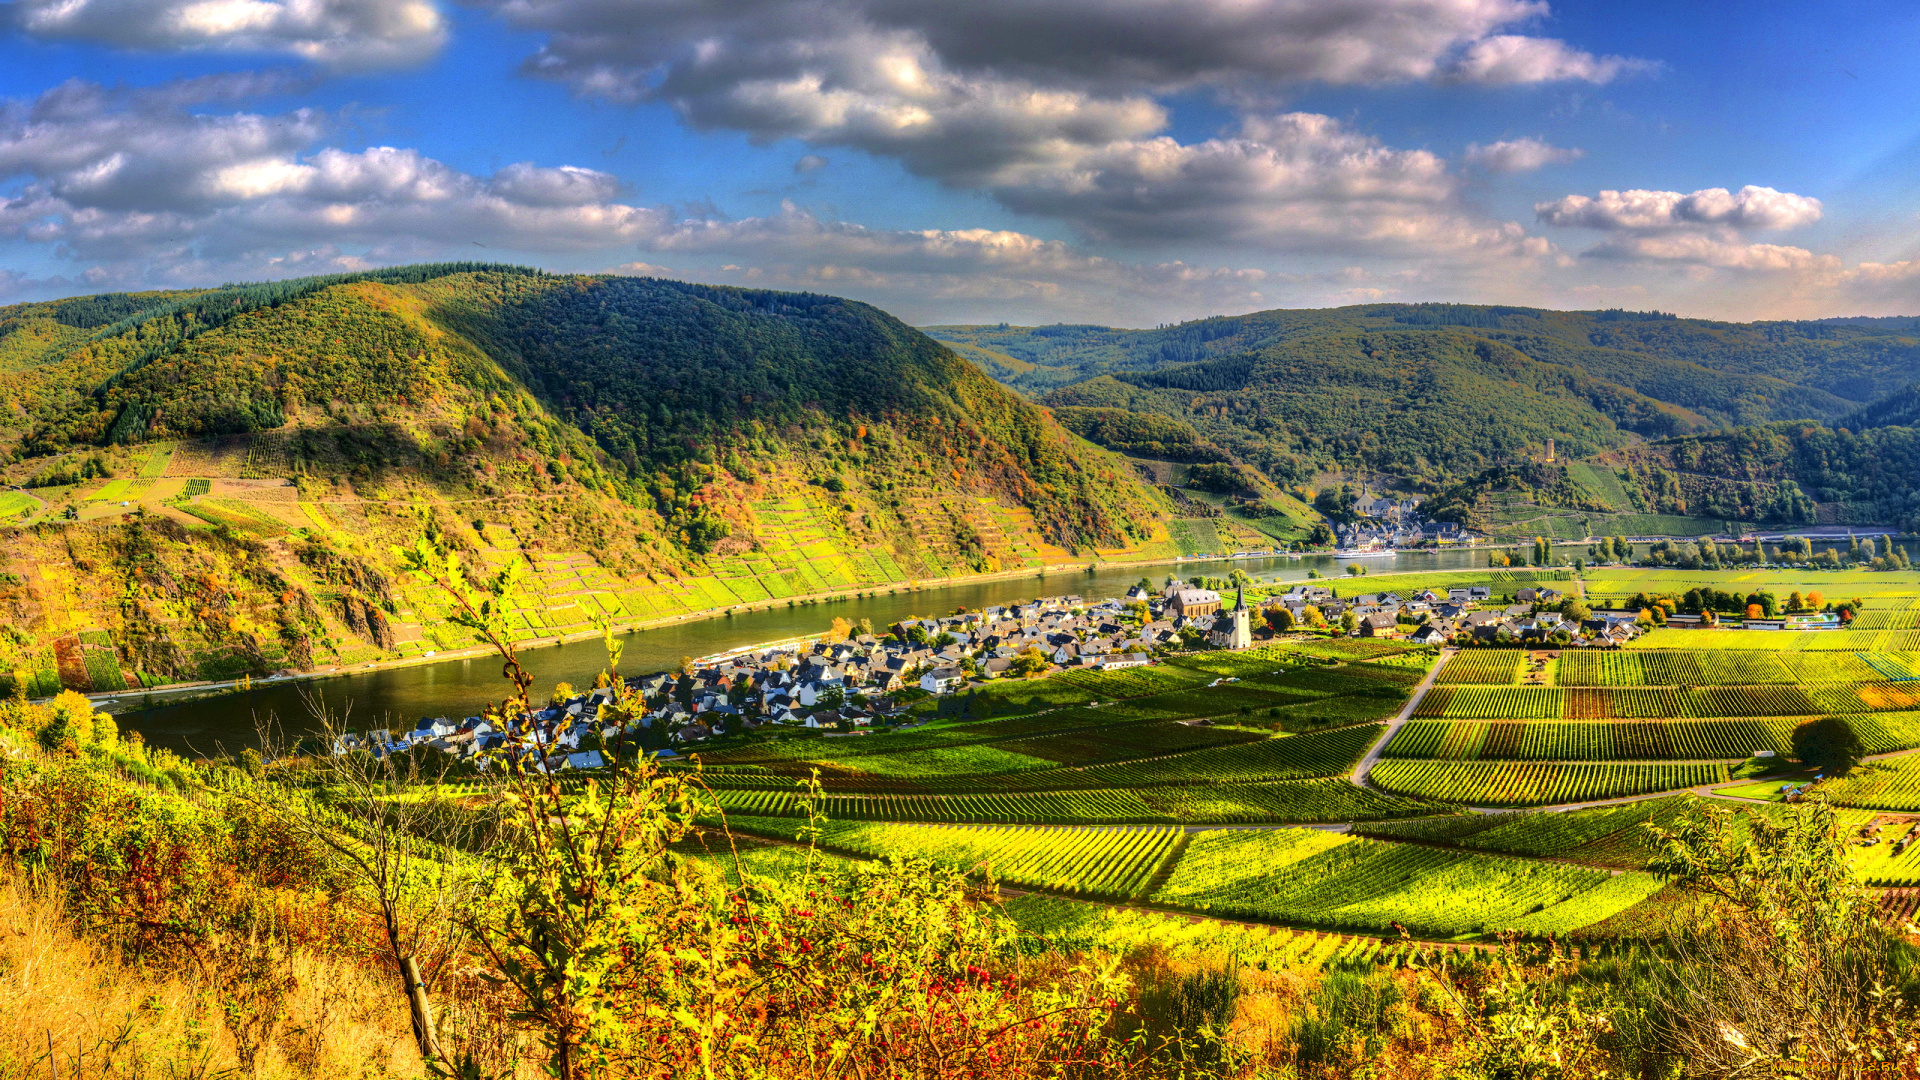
{"type": "Point", "coordinates": [1119, 161]}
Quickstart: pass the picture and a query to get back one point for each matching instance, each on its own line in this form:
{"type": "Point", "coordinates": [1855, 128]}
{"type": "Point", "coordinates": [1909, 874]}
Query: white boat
{"type": "Point", "coordinates": [1374, 553]}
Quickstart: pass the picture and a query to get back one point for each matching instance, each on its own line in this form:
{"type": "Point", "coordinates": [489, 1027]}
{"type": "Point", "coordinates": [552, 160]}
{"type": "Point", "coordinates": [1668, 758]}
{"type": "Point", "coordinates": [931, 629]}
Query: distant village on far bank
{"type": "Point", "coordinates": [859, 678]}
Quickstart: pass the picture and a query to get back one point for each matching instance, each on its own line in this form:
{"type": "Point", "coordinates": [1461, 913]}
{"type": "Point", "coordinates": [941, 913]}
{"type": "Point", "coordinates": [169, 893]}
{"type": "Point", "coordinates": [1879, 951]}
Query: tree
{"type": "Point", "coordinates": [1827, 743]}
{"type": "Point", "coordinates": [841, 629]}
{"type": "Point", "coordinates": [1312, 616]}
{"type": "Point", "coordinates": [1348, 620]}
{"type": "Point", "coordinates": [1280, 619]}
{"type": "Point", "coordinates": [1029, 662]}
{"type": "Point", "coordinates": [1321, 536]}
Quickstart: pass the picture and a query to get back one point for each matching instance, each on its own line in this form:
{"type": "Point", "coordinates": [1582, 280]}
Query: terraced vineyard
{"type": "Point", "coordinates": [1349, 883]}
{"type": "Point", "coordinates": [1885, 785]}
{"type": "Point", "coordinates": [1110, 863]}
{"type": "Point", "coordinates": [1485, 667]}
{"type": "Point", "coordinates": [1525, 784]}
{"type": "Point", "coordinates": [1641, 740]}
{"type": "Point", "coordinates": [1078, 925]}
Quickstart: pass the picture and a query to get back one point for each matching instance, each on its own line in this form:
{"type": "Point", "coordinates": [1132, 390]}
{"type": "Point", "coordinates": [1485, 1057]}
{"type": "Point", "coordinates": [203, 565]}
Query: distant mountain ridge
{"type": "Point", "coordinates": [651, 447]}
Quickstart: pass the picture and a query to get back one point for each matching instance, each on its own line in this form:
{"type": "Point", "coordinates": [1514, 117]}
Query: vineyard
{"type": "Point", "coordinates": [1640, 740]}
{"type": "Point", "coordinates": [1607, 835]}
{"type": "Point", "coordinates": [1526, 784]}
{"type": "Point", "coordinates": [1883, 785]}
{"type": "Point", "coordinates": [1109, 863]}
{"type": "Point", "coordinates": [1485, 667]}
{"type": "Point", "coordinates": [1186, 804]}
{"type": "Point", "coordinates": [1659, 702]}
{"type": "Point", "coordinates": [1076, 925]}
{"type": "Point", "coordinates": [1126, 787]}
{"type": "Point", "coordinates": [1349, 883]}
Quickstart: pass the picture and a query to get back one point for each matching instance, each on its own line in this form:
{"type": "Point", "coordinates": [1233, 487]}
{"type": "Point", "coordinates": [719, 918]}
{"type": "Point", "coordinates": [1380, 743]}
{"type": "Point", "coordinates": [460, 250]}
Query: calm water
{"type": "Point", "coordinates": [400, 696]}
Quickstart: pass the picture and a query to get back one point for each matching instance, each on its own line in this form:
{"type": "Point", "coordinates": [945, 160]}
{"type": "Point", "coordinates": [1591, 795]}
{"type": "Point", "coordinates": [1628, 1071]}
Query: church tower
{"type": "Point", "coordinates": [1241, 636]}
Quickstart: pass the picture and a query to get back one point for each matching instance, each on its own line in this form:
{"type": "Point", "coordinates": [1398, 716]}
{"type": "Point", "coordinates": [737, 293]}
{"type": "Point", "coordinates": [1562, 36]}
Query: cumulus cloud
{"type": "Point", "coordinates": [1752, 207]}
{"type": "Point", "coordinates": [972, 274]}
{"type": "Point", "coordinates": [1055, 108]}
{"type": "Point", "coordinates": [138, 190]}
{"type": "Point", "coordinates": [1299, 181]}
{"type": "Point", "coordinates": [1520, 155]}
{"type": "Point", "coordinates": [1512, 60]}
{"type": "Point", "coordinates": [1706, 228]}
{"type": "Point", "coordinates": [628, 47]}
{"type": "Point", "coordinates": [343, 33]}
{"type": "Point", "coordinates": [111, 175]}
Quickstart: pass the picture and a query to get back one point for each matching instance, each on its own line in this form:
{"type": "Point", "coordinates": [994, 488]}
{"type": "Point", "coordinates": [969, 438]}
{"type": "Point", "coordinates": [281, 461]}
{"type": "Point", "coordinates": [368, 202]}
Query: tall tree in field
{"type": "Point", "coordinates": [1827, 743]}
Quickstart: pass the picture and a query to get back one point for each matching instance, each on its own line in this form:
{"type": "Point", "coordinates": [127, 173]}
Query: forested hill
{"type": "Point", "coordinates": [1421, 397]}
{"type": "Point", "coordinates": [210, 481]}
{"type": "Point", "coordinates": [1422, 407]}
{"type": "Point", "coordinates": [1731, 372]}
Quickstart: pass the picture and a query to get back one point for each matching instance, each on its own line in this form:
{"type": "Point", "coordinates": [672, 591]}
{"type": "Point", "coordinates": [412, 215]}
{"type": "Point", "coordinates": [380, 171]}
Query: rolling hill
{"type": "Point", "coordinates": [208, 483]}
{"type": "Point", "coordinates": [1673, 425]}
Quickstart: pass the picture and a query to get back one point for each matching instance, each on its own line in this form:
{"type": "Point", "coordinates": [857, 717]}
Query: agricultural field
{"type": "Point", "coordinates": [1482, 667]}
{"type": "Point", "coordinates": [1107, 863]}
{"type": "Point", "coordinates": [1133, 788]}
{"type": "Point", "coordinates": [1880, 785]}
{"type": "Point", "coordinates": [1536, 784]}
{"type": "Point", "coordinates": [1636, 740]}
{"type": "Point", "coordinates": [1609, 836]}
{"type": "Point", "coordinates": [1078, 926]}
{"type": "Point", "coordinates": [1338, 882]}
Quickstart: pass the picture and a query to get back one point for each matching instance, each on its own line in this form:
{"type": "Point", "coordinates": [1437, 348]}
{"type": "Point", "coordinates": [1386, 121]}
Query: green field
{"type": "Point", "coordinates": [1349, 883]}
{"type": "Point", "coordinates": [1132, 787]}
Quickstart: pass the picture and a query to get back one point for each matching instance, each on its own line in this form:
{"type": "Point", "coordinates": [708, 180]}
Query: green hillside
{"type": "Point", "coordinates": [1423, 407]}
{"type": "Point", "coordinates": [1660, 424]}
{"type": "Point", "coordinates": [1730, 372]}
{"type": "Point", "coordinates": [212, 480]}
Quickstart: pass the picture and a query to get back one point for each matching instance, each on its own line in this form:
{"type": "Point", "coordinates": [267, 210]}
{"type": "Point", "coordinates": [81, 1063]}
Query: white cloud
{"type": "Point", "coordinates": [1512, 60]}
{"type": "Point", "coordinates": [138, 191]}
{"type": "Point", "coordinates": [1054, 108]}
{"type": "Point", "coordinates": [1299, 182]}
{"type": "Point", "coordinates": [342, 33]}
{"type": "Point", "coordinates": [1706, 228]}
{"type": "Point", "coordinates": [1520, 155]}
{"type": "Point", "coordinates": [115, 175]}
{"type": "Point", "coordinates": [1752, 207]}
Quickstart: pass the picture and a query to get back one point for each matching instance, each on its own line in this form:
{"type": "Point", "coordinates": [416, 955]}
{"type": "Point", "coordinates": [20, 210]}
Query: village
{"type": "Point", "coordinates": [857, 679]}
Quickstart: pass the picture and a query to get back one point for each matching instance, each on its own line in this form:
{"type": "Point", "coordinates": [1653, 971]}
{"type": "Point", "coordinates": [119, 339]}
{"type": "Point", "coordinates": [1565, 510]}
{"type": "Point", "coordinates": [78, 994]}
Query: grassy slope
{"type": "Point", "coordinates": [584, 424]}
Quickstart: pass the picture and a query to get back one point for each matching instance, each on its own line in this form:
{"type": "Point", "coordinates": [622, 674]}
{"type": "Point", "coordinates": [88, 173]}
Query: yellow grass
{"type": "Point", "coordinates": [101, 1016]}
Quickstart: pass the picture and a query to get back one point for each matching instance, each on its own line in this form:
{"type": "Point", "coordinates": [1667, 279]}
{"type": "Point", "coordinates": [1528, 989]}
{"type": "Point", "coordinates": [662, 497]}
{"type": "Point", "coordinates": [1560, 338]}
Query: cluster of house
{"type": "Point", "coordinates": [1394, 523]}
{"type": "Point", "coordinates": [852, 684]}
{"type": "Point", "coordinates": [1442, 616]}
{"type": "Point", "coordinates": [562, 733]}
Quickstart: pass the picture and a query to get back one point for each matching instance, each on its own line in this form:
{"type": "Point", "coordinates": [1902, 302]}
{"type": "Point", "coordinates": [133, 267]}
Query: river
{"type": "Point", "coordinates": [397, 697]}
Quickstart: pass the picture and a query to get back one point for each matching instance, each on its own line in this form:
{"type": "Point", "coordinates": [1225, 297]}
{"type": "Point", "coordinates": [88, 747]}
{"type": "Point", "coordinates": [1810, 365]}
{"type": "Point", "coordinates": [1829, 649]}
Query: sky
{"type": "Point", "coordinates": [1124, 162]}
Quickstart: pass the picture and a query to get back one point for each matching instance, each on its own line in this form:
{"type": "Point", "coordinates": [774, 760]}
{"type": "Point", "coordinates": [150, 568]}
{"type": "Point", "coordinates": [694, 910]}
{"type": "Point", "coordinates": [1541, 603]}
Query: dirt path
{"type": "Point", "coordinates": [1393, 726]}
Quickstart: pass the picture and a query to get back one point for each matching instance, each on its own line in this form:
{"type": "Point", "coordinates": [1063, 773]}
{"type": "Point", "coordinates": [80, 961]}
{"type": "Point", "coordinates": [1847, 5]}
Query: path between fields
{"type": "Point", "coordinates": [1406, 713]}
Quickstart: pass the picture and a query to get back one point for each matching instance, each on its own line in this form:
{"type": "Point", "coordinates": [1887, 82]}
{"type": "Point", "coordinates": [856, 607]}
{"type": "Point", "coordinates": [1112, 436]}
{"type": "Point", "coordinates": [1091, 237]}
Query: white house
{"type": "Point", "coordinates": [943, 680]}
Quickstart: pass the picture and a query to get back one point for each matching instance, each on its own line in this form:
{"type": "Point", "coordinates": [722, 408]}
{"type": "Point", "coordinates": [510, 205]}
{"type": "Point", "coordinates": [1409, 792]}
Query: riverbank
{"type": "Point", "coordinates": [171, 694]}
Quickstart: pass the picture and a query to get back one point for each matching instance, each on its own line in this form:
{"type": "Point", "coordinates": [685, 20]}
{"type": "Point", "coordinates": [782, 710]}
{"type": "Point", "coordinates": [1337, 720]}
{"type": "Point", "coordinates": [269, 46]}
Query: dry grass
{"type": "Point", "coordinates": [70, 1007]}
